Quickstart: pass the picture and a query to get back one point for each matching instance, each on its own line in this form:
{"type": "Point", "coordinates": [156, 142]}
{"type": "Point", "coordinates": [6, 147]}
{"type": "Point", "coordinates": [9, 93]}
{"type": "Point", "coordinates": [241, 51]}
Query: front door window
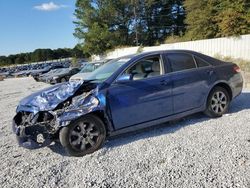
{"type": "Point", "coordinates": [145, 68]}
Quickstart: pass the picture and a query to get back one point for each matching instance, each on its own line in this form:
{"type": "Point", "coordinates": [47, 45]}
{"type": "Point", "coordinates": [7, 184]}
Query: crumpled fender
{"type": "Point", "coordinates": [49, 98]}
{"type": "Point", "coordinates": [75, 111]}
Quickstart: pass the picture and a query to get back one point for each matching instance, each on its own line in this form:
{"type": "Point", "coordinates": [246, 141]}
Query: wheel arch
{"type": "Point", "coordinates": [103, 117]}
{"type": "Point", "coordinates": [224, 85]}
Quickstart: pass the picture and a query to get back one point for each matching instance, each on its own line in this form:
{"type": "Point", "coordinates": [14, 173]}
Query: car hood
{"type": "Point", "coordinates": [49, 98]}
{"type": "Point", "coordinates": [60, 74]}
{"type": "Point", "coordinates": [21, 72]}
{"type": "Point", "coordinates": [79, 76]}
{"type": "Point", "coordinates": [48, 76]}
{"type": "Point", "coordinates": [39, 71]}
{"type": "Point", "coordinates": [56, 74]}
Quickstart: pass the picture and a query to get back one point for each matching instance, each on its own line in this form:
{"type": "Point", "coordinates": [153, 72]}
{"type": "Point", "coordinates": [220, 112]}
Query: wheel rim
{"type": "Point", "coordinates": [63, 80]}
{"type": "Point", "coordinates": [219, 102]}
{"type": "Point", "coordinates": [84, 136]}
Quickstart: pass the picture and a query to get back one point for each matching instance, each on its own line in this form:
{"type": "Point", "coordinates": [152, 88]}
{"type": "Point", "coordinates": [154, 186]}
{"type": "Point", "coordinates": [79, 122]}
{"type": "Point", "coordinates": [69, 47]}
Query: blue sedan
{"type": "Point", "coordinates": [126, 94]}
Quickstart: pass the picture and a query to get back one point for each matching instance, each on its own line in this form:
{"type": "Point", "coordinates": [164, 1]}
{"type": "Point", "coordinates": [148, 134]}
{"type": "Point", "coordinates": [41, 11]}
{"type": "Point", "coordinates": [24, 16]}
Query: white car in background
{"type": "Point", "coordinates": [86, 70]}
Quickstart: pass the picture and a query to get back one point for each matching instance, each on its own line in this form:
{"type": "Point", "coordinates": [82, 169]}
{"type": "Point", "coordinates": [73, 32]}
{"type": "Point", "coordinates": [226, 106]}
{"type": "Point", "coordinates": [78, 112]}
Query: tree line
{"type": "Point", "coordinates": [102, 25]}
{"type": "Point", "coordinates": [41, 55]}
{"type": "Point", "coordinates": [105, 24]}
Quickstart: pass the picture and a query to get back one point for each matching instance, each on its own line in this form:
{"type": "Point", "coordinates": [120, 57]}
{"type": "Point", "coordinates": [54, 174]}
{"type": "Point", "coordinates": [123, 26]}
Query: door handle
{"type": "Point", "coordinates": [164, 82]}
{"type": "Point", "coordinates": [210, 72]}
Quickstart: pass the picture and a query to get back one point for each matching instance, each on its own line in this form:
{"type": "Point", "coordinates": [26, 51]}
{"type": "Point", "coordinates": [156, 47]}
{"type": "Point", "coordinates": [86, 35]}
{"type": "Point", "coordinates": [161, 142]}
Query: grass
{"type": "Point", "coordinates": [175, 39]}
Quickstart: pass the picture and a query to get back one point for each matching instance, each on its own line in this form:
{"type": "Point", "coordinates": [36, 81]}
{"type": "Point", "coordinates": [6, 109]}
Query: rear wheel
{"type": "Point", "coordinates": [83, 136]}
{"type": "Point", "coordinates": [218, 102]}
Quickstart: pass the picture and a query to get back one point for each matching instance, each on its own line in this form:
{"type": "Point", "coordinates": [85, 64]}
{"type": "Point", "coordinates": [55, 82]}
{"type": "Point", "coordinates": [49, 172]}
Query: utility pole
{"type": "Point", "coordinates": [136, 32]}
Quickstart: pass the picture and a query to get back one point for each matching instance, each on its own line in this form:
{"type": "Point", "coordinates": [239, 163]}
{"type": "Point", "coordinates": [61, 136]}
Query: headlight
{"type": "Point", "coordinates": [85, 101]}
{"type": "Point", "coordinates": [91, 101]}
{"type": "Point", "coordinates": [55, 77]}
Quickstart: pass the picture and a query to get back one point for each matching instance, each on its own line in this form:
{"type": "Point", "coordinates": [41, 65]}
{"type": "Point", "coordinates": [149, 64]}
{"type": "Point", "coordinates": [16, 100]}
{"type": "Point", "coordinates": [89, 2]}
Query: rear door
{"type": "Point", "coordinates": [190, 82]}
{"type": "Point", "coordinates": [147, 97]}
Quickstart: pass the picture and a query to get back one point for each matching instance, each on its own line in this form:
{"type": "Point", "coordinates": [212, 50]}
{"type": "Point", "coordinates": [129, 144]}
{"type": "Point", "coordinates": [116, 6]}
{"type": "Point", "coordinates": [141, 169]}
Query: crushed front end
{"type": "Point", "coordinates": [41, 115]}
{"type": "Point", "coordinates": [34, 130]}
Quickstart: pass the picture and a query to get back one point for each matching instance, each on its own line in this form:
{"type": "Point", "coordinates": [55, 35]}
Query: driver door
{"type": "Point", "coordinates": [146, 97]}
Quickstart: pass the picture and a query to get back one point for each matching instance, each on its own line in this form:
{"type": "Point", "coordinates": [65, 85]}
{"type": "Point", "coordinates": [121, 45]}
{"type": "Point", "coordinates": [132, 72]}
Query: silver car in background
{"type": "Point", "coordinates": [87, 69]}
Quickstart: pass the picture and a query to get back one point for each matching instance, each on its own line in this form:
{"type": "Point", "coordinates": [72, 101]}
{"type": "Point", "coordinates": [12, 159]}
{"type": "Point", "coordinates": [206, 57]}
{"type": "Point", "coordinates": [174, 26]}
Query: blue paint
{"type": "Point", "coordinates": [131, 104]}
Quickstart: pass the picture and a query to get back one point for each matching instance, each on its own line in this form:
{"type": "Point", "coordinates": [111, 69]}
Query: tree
{"type": "Point", "coordinates": [105, 24]}
{"type": "Point", "coordinates": [200, 19]}
{"type": "Point", "coordinates": [159, 19]}
{"type": "Point", "coordinates": [77, 52]}
{"type": "Point", "coordinates": [212, 18]}
{"type": "Point", "coordinates": [20, 58]}
{"type": "Point", "coordinates": [41, 55]}
{"type": "Point", "coordinates": [234, 17]}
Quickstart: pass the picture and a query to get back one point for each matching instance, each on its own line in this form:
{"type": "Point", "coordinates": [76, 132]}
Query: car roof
{"type": "Point", "coordinates": [99, 61]}
{"type": "Point", "coordinates": [207, 58]}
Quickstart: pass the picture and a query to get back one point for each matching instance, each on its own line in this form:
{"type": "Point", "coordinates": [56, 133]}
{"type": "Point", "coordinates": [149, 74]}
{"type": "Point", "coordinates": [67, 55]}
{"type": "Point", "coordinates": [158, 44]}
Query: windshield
{"type": "Point", "coordinates": [90, 67]}
{"type": "Point", "coordinates": [52, 71]}
{"type": "Point", "coordinates": [105, 71]}
{"type": "Point", "coordinates": [63, 70]}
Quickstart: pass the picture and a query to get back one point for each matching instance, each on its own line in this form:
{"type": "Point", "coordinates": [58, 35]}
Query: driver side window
{"type": "Point", "coordinates": [145, 68]}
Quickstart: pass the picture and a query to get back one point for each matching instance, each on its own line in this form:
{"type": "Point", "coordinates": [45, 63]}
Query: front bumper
{"type": "Point", "coordinates": [29, 141]}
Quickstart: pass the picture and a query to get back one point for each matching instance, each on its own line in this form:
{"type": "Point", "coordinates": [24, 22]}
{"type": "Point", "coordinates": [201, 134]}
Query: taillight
{"type": "Point", "coordinates": [236, 68]}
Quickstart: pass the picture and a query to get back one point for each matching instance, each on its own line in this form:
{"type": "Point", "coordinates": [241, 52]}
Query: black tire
{"type": "Point", "coordinates": [88, 130]}
{"type": "Point", "coordinates": [217, 107]}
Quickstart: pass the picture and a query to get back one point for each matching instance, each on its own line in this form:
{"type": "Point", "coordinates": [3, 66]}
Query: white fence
{"type": "Point", "coordinates": [234, 47]}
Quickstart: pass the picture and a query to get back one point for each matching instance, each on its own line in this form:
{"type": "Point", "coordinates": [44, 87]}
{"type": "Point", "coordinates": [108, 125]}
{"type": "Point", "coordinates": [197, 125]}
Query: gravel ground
{"type": "Point", "coordinates": [193, 152]}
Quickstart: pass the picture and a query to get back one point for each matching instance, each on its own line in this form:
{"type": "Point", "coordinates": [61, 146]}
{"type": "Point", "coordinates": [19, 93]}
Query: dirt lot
{"type": "Point", "coordinates": [195, 152]}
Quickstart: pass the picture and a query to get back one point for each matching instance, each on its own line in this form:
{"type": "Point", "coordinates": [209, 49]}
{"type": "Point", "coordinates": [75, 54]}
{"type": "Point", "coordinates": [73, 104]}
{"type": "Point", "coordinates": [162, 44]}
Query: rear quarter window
{"type": "Point", "coordinates": [181, 61]}
{"type": "Point", "coordinates": [200, 62]}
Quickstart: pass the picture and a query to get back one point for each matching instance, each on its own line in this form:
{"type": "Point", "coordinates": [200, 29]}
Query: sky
{"type": "Point", "coordinates": [26, 25]}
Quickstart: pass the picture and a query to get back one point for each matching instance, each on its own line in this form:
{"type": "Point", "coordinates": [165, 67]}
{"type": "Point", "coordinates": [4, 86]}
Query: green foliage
{"type": "Point", "coordinates": [212, 18]}
{"type": "Point", "coordinates": [234, 17]}
{"type": "Point", "coordinates": [42, 55]}
{"type": "Point", "coordinates": [97, 39]}
{"type": "Point", "coordinates": [77, 52]}
{"type": "Point", "coordinates": [175, 39]}
{"type": "Point", "coordinates": [140, 49]}
{"type": "Point", "coordinates": [104, 24]}
{"type": "Point", "coordinates": [74, 62]}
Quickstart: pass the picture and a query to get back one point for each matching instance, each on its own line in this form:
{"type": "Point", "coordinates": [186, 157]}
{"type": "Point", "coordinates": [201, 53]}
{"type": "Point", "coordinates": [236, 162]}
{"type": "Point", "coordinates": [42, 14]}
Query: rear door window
{"type": "Point", "coordinates": [181, 61]}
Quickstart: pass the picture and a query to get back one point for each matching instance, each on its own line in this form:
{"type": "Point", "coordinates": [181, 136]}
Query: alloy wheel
{"type": "Point", "coordinates": [219, 102]}
{"type": "Point", "coordinates": [83, 136]}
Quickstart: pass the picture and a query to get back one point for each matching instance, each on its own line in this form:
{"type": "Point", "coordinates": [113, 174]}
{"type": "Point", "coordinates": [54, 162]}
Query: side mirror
{"type": "Point", "coordinates": [124, 78]}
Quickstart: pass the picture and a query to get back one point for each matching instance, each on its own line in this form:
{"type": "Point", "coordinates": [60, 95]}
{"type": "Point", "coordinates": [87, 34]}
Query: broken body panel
{"type": "Point", "coordinates": [41, 115]}
{"type": "Point", "coordinates": [126, 105]}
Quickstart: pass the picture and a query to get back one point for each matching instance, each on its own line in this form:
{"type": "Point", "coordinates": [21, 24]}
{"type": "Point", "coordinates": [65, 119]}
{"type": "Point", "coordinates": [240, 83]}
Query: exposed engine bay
{"type": "Point", "coordinates": [40, 116]}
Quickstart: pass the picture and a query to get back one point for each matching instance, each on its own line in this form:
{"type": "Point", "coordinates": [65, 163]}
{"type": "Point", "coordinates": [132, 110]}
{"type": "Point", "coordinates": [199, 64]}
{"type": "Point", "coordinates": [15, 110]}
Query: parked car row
{"type": "Point", "coordinates": [60, 75]}
{"type": "Point", "coordinates": [36, 73]}
{"type": "Point", "coordinates": [126, 94]}
{"type": "Point", "coordinates": [30, 69]}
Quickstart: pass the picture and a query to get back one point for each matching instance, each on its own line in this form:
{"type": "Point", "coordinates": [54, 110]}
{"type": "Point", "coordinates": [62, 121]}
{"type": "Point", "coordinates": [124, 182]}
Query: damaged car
{"type": "Point", "coordinates": [124, 95]}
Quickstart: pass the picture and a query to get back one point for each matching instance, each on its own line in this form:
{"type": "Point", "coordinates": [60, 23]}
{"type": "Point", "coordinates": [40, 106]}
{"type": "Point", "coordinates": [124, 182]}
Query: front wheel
{"type": "Point", "coordinates": [218, 102]}
{"type": "Point", "coordinates": [83, 136]}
